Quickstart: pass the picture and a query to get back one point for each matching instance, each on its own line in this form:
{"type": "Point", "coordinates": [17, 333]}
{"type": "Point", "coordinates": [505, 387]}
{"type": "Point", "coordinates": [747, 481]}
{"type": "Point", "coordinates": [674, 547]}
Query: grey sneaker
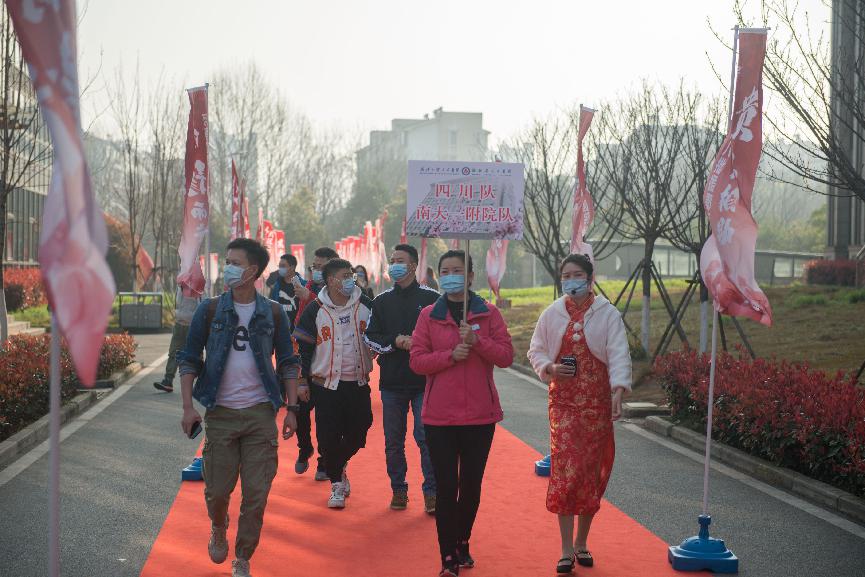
{"type": "Point", "coordinates": [240, 568]}
{"type": "Point", "coordinates": [218, 545]}
{"type": "Point", "coordinates": [321, 475]}
{"type": "Point", "coordinates": [337, 496]}
{"type": "Point", "coordinates": [346, 486]}
{"type": "Point", "coordinates": [399, 501]}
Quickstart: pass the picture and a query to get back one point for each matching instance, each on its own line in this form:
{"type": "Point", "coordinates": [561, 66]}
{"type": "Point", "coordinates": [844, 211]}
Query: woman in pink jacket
{"type": "Point", "coordinates": [461, 403]}
{"type": "Point", "coordinates": [579, 346]}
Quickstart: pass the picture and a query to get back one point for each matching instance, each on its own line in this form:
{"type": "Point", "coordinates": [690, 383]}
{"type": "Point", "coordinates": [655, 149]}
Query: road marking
{"type": "Point", "coordinates": [67, 430]}
{"type": "Point", "coordinates": [783, 496]}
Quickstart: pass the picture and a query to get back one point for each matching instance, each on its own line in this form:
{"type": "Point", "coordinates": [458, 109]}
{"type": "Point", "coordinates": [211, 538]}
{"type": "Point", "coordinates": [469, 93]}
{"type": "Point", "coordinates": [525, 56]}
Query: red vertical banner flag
{"type": "Point", "coordinates": [584, 207]}
{"type": "Point", "coordinates": [245, 204]}
{"type": "Point", "coordinates": [279, 245]}
{"type": "Point", "coordinates": [196, 206]}
{"type": "Point", "coordinates": [268, 236]}
{"type": "Point", "coordinates": [73, 240]}
{"type": "Point", "coordinates": [299, 252]}
{"type": "Point", "coordinates": [727, 260]}
{"type": "Point", "coordinates": [497, 256]}
{"type": "Point", "coordinates": [236, 205]}
{"type": "Point", "coordinates": [403, 236]}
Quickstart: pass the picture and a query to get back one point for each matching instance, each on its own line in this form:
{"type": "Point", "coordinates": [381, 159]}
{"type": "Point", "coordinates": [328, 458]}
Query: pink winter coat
{"type": "Point", "coordinates": [460, 393]}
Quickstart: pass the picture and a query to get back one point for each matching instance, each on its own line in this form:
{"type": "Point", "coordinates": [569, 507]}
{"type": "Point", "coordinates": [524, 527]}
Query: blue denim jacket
{"type": "Point", "coordinates": [262, 340]}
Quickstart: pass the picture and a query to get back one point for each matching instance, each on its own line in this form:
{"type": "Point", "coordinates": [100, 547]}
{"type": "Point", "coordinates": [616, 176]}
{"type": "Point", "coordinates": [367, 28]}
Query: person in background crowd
{"type": "Point", "coordinates": [236, 382]}
{"type": "Point", "coordinates": [336, 363]}
{"type": "Point", "coordinates": [306, 294]}
{"type": "Point", "coordinates": [363, 281]}
{"type": "Point", "coordinates": [394, 315]}
{"type": "Point", "coordinates": [284, 289]}
{"type": "Point", "coordinates": [183, 311]}
{"type": "Point", "coordinates": [461, 404]}
{"type": "Point", "coordinates": [580, 347]}
{"type": "Point", "coordinates": [430, 279]}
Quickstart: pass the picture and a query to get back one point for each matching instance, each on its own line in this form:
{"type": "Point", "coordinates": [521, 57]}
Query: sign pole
{"type": "Point", "coordinates": [54, 453]}
{"type": "Point", "coordinates": [466, 284]}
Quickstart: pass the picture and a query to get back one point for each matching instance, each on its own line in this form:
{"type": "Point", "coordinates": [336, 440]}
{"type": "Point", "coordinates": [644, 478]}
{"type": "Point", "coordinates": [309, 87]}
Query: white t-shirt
{"type": "Point", "coordinates": [241, 385]}
{"type": "Point", "coordinates": [350, 357]}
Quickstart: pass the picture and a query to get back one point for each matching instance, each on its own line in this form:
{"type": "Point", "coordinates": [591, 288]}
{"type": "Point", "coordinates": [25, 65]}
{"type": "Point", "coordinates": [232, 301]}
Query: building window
{"type": "Point", "coordinates": [452, 138]}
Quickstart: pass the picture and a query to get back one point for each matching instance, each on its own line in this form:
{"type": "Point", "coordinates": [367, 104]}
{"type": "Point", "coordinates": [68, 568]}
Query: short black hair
{"type": "Point", "coordinates": [361, 267]}
{"type": "Point", "coordinates": [334, 265]}
{"type": "Point", "coordinates": [460, 254]}
{"type": "Point", "coordinates": [581, 260]}
{"type": "Point", "coordinates": [325, 252]}
{"type": "Point", "coordinates": [255, 252]}
{"type": "Point", "coordinates": [412, 251]}
{"type": "Point", "coordinates": [289, 258]}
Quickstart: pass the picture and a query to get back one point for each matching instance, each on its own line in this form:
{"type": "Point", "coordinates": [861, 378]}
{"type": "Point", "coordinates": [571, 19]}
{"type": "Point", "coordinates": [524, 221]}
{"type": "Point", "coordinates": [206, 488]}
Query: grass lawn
{"type": "Point", "coordinates": [821, 325]}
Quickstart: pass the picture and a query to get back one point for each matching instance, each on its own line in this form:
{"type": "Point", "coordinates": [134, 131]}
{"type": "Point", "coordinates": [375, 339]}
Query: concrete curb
{"type": "Point", "coordinates": [809, 489]}
{"type": "Point", "coordinates": [33, 434]}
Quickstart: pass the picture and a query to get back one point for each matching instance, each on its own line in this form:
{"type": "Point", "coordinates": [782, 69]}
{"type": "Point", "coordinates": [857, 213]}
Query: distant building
{"type": "Point", "coordinates": [846, 215]}
{"type": "Point", "coordinates": [444, 136]}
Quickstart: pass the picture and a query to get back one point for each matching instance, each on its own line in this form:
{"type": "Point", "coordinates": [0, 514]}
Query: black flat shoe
{"type": "Point", "coordinates": [163, 386]}
{"type": "Point", "coordinates": [565, 565]}
{"type": "Point", "coordinates": [584, 558]}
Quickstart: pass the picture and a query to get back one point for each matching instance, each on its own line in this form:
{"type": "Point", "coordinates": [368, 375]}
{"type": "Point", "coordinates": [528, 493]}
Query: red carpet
{"type": "Point", "coordinates": [514, 533]}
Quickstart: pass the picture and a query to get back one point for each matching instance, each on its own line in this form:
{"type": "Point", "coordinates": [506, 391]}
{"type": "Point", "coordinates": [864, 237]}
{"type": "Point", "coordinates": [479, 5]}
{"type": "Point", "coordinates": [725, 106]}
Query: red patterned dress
{"type": "Point", "coordinates": [581, 428]}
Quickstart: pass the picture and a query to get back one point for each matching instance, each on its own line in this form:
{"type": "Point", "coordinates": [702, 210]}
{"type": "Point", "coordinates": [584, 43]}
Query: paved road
{"type": "Point", "coordinates": [121, 473]}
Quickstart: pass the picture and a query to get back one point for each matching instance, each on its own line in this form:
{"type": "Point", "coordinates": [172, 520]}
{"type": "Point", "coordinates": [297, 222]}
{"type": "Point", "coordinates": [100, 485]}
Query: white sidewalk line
{"type": "Point", "coordinates": [783, 496]}
{"type": "Point", "coordinates": [528, 379]}
{"type": "Point", "coordinates": [41, 449]}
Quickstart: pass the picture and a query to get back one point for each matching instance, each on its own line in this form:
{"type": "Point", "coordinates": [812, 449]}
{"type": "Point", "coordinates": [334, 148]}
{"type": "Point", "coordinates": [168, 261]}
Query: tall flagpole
{"type": "Point", "coordinates": [711, 399]}
{"type": "Point", "coordinates": [208, 289]}
{"type": "Point", "coordinates": [54, 453]}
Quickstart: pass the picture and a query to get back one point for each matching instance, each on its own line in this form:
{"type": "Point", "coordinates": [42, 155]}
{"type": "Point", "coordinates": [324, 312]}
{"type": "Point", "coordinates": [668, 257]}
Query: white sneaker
{"type": "Point", "coordinates": [346, 486]}
{"type": "Point", "coordinates": [240, 568]}
{"type": "Point", "coordinates": [337, 496]}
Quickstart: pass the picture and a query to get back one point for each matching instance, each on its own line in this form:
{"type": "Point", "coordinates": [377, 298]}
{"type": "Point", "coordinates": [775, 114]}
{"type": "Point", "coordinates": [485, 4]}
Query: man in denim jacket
{"type": "Point", "coordinates": [241, 392]}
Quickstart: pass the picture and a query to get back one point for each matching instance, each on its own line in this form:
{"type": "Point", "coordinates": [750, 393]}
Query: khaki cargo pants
{"type": "Point", "coordinates": [240, 442]}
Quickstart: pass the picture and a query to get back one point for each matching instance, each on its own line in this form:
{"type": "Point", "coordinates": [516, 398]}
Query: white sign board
{"type": "Point", "coordinates": [471, 200]}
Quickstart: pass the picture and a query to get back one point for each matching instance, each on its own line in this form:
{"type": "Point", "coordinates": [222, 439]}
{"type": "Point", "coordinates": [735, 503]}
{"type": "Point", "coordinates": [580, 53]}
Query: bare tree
{"type": "Point", "coordinates": [25, 150]}
{"type": "Point", "coordinates": [818, 123]}
{"type": "Point", "coordinates": [128, 109]}
{"type": "Point", "coordinates": [165, 185]}
{"type": "Point", "coordinates": [638, 142]}
{"type": "Point", "coordinates": [548, 150]}
{"type": "Point", "coordinates": [703, 133]}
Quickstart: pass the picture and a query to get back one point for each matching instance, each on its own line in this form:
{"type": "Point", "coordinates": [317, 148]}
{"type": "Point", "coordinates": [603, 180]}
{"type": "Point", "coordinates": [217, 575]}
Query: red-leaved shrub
{"type": "Point", "coordinates": [24, 383]}
{"type": "Point", "coordinates": [831, 272]}
{"type": "Point", "coordinates": [23, 288]}
{"type": "Point", "coordinates": [787, 413]}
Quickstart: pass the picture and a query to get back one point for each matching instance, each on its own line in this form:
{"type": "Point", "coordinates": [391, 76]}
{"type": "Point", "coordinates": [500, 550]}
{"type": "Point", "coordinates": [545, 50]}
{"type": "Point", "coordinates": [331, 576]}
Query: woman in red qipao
{"type": "Point", "coordinates": [580, 348]}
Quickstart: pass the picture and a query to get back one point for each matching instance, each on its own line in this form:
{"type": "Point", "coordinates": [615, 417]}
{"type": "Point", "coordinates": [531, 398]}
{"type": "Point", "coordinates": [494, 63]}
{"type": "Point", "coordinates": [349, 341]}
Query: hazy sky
{"type": "Point", "coordinates": [358, 63]}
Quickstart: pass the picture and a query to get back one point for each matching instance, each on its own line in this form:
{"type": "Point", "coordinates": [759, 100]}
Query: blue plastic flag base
{"type": "Point", "coordinates": [193, 471]}
{"type": "Point", "coordinates": [542, 467]}
{"type": "Point", "coordinates": [702, 553]}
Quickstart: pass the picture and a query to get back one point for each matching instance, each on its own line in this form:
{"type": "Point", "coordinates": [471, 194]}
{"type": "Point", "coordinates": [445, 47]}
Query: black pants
{"type": "Point", "coordinates": [459, 457]}
{"type": "Point", "coordinates": [342, 419]}
{"type": "Point", "coordinates": [304, 431]}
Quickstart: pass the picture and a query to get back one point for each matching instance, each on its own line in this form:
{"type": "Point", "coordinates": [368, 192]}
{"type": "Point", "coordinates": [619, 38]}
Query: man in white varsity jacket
{"type": "Point", "coordinates": [336, 364]}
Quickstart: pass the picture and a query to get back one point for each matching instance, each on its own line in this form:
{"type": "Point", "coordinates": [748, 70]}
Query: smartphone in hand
{"type": "Point", "coordinates": [196, 430]}
{"type": "Point", "coordinates": [571, 362]}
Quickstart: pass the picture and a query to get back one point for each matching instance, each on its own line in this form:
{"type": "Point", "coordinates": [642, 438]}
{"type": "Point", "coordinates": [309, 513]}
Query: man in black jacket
{"type": "Point", "coordinates": [394, 315]}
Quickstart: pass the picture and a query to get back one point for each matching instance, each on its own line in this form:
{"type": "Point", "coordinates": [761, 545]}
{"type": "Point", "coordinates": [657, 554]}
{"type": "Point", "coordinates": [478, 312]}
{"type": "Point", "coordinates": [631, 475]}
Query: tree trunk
{"type": "Point", "coordinates": [649, 249]}
{"type": "Point", "coordinates": [4, 319]}
{"type": "Point", "coordinates": [704, 317]}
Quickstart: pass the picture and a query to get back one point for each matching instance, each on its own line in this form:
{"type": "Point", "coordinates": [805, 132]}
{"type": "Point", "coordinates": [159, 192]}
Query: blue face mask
{"type": "Point", "coordinates": [397, 271]}
{"type": "Point", "coordinates": [347, 286]}
{"type": "Point", "coordinates": [233, 275]}
{"type": "Point", "coordinates": [317, 277]}
{"type": "Point", "coordinates": [576, 287]}
{"type": "Point", "coordinates": [452, 283]}
{"type": "Point", "coordinates": [283, 271]}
